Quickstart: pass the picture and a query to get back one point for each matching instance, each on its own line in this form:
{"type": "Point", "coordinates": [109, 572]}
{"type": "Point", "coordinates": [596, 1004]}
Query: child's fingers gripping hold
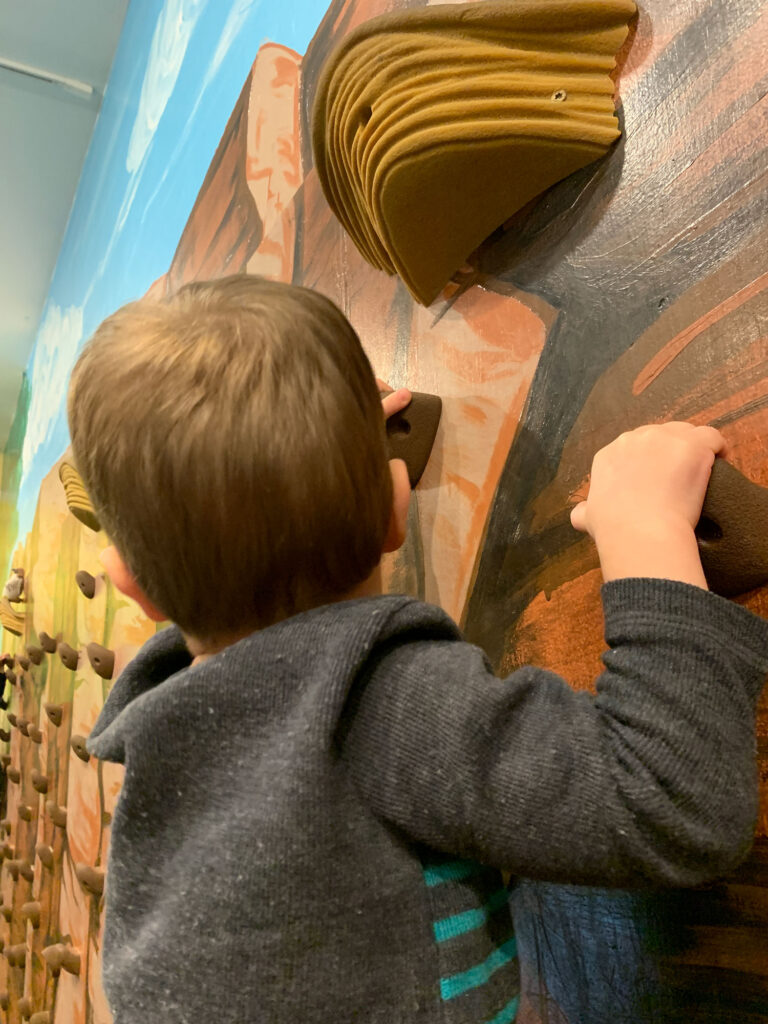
{"type": "Point", "coordinates": [395, 401]}
{"type": "Point", "coordinates": [645, 496]}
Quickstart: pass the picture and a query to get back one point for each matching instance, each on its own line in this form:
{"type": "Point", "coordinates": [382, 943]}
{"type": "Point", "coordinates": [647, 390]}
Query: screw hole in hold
{"type": "Point", "coordinates": [399, 427]}
{"type": "Point", "coordinates": [366, 113]}
{"type": "Point", "coordinates": [708, 531]}
{"type": "Point", "coordinates": [559, 96]}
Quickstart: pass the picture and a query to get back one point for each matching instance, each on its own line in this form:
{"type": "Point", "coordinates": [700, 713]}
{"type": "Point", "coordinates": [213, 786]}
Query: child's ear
{"type": "Point", "coordinates": [401, 497]}
{"type": "Point", "coordinates": [124, 580]}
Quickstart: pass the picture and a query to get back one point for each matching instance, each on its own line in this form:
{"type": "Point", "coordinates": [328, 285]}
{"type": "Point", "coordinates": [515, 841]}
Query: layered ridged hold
{"type": "Point", "coordinates": [78, 502]}
{"type": "Point", "coordinates": [11, 620]}
{"type": "Point", "coordinates": [431, 127]}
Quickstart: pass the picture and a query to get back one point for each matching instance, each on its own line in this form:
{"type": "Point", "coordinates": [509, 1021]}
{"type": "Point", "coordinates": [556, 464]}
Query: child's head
{"type": "Point", "coordinates": [232, 441]}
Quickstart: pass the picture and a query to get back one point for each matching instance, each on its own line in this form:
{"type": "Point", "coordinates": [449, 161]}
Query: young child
{"type": "Point", "coordinates": [322, 782]}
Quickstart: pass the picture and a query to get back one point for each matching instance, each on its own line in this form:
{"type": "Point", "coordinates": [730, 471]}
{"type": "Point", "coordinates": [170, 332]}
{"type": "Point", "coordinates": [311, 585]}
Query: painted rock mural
{"type": "Point", "coordinates": [634, 291]}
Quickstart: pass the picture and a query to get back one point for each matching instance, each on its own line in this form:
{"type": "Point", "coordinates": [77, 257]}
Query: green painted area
{"type": "Point", "coordinates": [65, 608]}
{"type": "Point", "coordinates": [10, 478]}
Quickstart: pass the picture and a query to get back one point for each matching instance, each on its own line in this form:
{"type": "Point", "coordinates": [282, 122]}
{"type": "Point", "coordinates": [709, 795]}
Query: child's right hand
{"type": "Point", "coordinates": [645, 496]}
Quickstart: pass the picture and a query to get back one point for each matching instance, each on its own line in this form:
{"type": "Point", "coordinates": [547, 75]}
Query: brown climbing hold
{"type": "Point", "coordinates": [21, 868]}
{"type": "Point", "coordinates": [35, 653]}
{"type": "Point", "coordinates": [7, 913]}
{"type": "Point", "coordinates": [5, 760]}
{"type": "Point", "coordinates": [25, 812]}
{"type": "Point", "coordinates": [58, 815]}
{"type": "Point", "coordinates": [78, 502]}
{"type": "Point", "coordinates": [34, 733]}
{"type": "Point", "coordinates": [12, 718]}
{"type": "Point", "coordinates": [78, 745]}
{"type": "Point", "coordinates": [411, 432]}
{"type": "Point", "coordinates": [60, 956]}
{"type": "Point", "coordinates": [31, 911]}
{"type": "Point", "coordinates": [48, 643]}
{"type": "Point", "coordinates": [106, 818]}
{"type": "Point", "coordinates": [54, 712]}
{"type": "Point", "coordinates": [91, 879]}
{"type": "Point", "coordinates": [23, 662]}
{"type": "Point", "coordinates": [13, 773]}
{"type": "Point", "coordinates": [21, 725]}
{"type": "Point", "coordinates": [45, 853]}
{"type": "Point", "coordinates": [11, 677]}
{"type": "Point", "coordinates": [16, 955]}
{"type": "Point", "coordinates": [5, 825]}
{"type": "Point", "coordinates": [6, 852]}
{"type": "Point", "coordinates": [24, 1006]}
{"type": "Point", "coordinates": [102, 660]}
{"type": "Point", "coordinates": [43, 1017]}
{"type": "Point", "coordinates": [3, 1000]}
{"type": "Point", "coordinates": [39, 781]}
{"type": "Point", "coordinates": [69, 656]}
{"type": "Point", "coordinates": [86, 582]}
{"type": "Point", "coordinates": [5, 735]}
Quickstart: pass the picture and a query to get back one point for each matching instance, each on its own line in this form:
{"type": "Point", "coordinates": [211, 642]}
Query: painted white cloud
{"type": "Point", "coordinates": [237, 18]}
{"type": "Point", "coordinates": [58, 341]}
{"type": "Point", "coordinates": [167, 52]}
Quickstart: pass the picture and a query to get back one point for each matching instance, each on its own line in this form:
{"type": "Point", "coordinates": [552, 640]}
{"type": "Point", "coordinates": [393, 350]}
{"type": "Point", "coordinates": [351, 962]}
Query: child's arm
{"type": "Point", "coordinates": [652, 781]}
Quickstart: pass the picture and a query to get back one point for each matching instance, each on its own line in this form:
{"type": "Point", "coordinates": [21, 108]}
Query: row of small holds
{"type": "Point", "coordinates": [102, 659]}
{"type": "Point", "coordinates": [90, 878]}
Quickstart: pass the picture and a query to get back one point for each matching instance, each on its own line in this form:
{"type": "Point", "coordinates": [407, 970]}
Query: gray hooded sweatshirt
{"type": "Point", "coordinates": [312, 821]}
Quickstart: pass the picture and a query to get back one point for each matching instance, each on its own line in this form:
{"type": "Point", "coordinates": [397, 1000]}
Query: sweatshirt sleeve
{"type": "Point", "coordinates": [652, 781]}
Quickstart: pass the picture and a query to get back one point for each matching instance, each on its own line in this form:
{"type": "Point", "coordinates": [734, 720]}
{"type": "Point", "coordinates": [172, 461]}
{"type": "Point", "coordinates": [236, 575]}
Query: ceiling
{"type": "Point", "coordinates": [45, 130]}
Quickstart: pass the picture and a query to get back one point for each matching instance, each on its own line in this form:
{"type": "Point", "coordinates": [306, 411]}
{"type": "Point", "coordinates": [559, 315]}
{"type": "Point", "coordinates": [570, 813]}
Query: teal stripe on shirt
{"type": "Point", "coordinates": [451, 871]}
{"type": "Point", "coordinates": [457, 984]}
{"type": "Point", "coordinates": [458, 924]}
{"type": "Point", "coordinates": [508, 1013]}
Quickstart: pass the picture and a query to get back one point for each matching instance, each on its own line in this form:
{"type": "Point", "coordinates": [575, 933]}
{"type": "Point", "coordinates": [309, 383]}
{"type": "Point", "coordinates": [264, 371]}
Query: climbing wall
{"type": "Point", "coordinates": [64, 641]}
{"type": "Point", "coordinates": [634, 291]}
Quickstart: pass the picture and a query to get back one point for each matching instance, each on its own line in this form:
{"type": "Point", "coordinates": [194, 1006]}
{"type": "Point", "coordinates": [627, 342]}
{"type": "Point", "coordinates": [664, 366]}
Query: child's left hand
{"type": "Point", "coordinates": [394, 402]}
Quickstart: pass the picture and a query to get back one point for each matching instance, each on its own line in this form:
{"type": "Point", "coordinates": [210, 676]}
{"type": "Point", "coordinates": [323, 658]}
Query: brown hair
{"type": "Point", "coordinates": [232, 441]}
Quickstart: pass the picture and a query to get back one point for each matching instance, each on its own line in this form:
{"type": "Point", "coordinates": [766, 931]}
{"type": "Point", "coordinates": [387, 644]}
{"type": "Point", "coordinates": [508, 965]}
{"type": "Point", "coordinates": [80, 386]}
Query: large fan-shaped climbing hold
{"type": "Point", "coordinates": [78, 502]}
{"type": "Point", "coordinates": [102, 660]}
{"type": "Point", "coordinates": [60, 957]}
{"type": "Point", "coordinates": [69, 656]}
{"type": "Point", "coordinates": [10, 619]}
{"type": "Point", "coordinates": [432, 126]}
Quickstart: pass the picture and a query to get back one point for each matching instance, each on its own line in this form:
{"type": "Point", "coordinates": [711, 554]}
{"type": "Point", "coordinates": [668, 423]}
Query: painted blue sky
{"type": "Point", "coordinates": [178, 70]}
